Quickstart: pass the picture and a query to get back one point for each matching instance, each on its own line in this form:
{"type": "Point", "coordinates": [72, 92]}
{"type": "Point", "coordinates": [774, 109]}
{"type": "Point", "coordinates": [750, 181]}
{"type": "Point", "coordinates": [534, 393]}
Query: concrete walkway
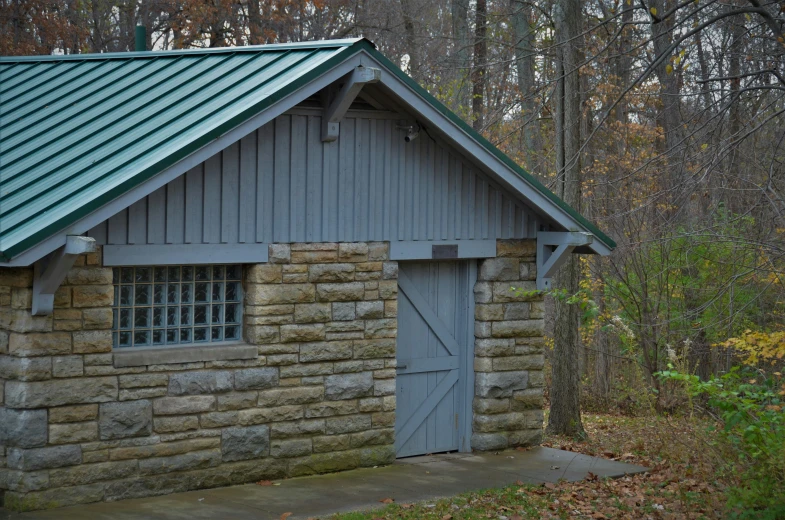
{"type": "Point", "coordinates": [408, 480]}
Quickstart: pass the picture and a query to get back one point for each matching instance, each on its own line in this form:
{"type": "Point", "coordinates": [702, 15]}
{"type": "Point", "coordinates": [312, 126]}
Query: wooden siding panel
{"type": "Point", "coordinates": [156, 216]}
{"type": "Point", "coordinates": [175, 211]}
{"type": "Point", "coordinates": [194, 205]}
{"type": "Point", "coordinates": [315, 168]}
{"type": "Point", "coordinates": [298, 175]}
{"type": "Point", "coordinates": [283, 184]}
{"type": "Point", "coordinates": [282, 179]}
{"type": "Point", "coordinates": [247, 209]}
{"type": "Point", "coordinates": [265, 167]}
{"type": "Point", "coordinates": [211, 223]}
{"type": "Point", "coordinates": [137, 222]}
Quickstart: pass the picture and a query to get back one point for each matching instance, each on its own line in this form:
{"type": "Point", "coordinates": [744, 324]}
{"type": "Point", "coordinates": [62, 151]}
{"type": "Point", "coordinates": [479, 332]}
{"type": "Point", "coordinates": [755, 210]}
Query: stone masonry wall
{"type": "Point", "coordinates": [508, 349]}
{"type": "Point", "coordinates": [319, 397]}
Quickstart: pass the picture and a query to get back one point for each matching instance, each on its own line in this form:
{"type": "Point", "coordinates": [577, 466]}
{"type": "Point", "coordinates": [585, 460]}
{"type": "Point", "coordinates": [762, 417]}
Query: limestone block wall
{"type": "Point", "coordinates": [508, 349]}
{"type": "Point", "coordinates": [320, 395]}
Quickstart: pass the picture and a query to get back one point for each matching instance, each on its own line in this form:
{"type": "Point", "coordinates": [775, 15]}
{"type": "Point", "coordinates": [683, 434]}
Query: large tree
{"type": "Point", "coordinates": [565, 417]}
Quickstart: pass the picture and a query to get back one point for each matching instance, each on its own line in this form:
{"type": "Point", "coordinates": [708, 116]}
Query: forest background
{"type": "Point", "coordinates": [660, 120]}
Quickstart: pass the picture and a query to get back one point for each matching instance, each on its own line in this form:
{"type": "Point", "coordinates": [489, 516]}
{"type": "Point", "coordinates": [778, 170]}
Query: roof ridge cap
{"type": "Point", "coordinates": [270, 47]}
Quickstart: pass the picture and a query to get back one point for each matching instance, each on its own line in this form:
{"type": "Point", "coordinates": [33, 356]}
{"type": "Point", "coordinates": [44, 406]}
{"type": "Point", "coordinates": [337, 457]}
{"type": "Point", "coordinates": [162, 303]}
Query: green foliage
{"type": "Point", "coordinates": [694, 288]}
{"type": "Point", "coordinates": [751, 408]}
{"type": "Point", "coordinates": [583, 299]}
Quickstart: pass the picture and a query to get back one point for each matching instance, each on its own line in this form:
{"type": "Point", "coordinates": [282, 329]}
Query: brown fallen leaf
{"type": "Point", "coordinates": [516, 517]}
{"type": "Point", "coordinates": [519, 483]}
{"type": "Point", "coordinates": [285, 516]}
{"type": "Point", "coordinates": [447, 517]}
{"type": "Point", "coordinates": [264, 483]}
{"type": "Point", "coordinates": [549, 485]}
{"type": "Point", "coordinates": [407, 506]}
{"type": "Point", "coordinates": [387, 501]}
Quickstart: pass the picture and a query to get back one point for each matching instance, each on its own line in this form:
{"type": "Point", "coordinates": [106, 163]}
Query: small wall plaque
{"type": "Point", "coordinates": [444, 252]}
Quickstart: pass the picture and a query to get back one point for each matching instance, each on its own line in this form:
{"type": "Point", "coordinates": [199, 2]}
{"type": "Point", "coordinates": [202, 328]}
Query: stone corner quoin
{"type": "Point", "coordinates": [318, 397]}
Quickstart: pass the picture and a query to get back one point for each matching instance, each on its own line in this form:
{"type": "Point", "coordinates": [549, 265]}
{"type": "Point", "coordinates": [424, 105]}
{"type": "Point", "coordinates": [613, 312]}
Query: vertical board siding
{"type": "Point", "coordinates": [247, 208]}
{"type": "Point", "coordinates": [194, 204]}
{"type": "Point", "coordinates": [230, 194]}
{"type": "Point", "coordinates": [211, 217]}
{"type": "Point", "coordinates": [283, 184]}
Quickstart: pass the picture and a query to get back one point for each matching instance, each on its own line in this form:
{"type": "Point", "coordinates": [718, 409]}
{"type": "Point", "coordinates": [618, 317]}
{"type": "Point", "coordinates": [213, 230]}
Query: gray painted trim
{"type": "Point", "coordinates": [549, 261]}
{"type": "Point", "coordinates": [163, 356]}
{"type": "Point", "coordinates": [209, 150]}
{"type": "Point", "coordinates": [49, 272]}
{"type": "Point", "coordinates": [423, 249]}
{"type": "Point", "coordinates": [338, 107]}
{"type": "Point", "coordinates": [174, 254]}
{"type": "Point", "coordinates": [439, 123]}
{"type": "Point", "coordinates": [467, 370]}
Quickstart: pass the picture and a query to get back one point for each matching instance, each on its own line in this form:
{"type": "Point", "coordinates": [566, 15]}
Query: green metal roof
{"type": "Point", "coordinates": [78, 131]}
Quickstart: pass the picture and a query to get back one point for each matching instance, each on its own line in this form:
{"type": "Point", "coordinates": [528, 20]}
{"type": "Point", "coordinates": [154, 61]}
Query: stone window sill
{"type": "Point", "coordinates": [163, 356]}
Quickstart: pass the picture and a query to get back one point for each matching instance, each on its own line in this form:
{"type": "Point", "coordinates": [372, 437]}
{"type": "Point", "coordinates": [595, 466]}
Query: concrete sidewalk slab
{"type": "Point", "coordinates": [408, 480]}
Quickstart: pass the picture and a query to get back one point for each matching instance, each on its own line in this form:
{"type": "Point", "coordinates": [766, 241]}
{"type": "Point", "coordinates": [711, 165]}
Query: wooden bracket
{"type": "Point", "coordinates": [552, 250]}
{"type": "Point", "coordinates": [50, 271]}
{"type": "Point", "coordinates": [331, 122]}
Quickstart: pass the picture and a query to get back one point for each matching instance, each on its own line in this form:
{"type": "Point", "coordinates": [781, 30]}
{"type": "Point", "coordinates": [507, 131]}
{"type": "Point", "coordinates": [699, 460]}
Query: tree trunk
{"type": "Point", "coordinates": [704, 66]}
{"type": "Point", "coordinates": [734, 115]}
{"type": "Point", "coordinates": [669, 116]}
{"type": "Point", "coordinates": [523, 35]}
{"type": "Point", "coordinates": [624, 61]}
{"type": "Point", "coordinates": [565, 417]}
{"type": "Point", "coordinates": [462, 52]}
{"type": "Point", "coordinates": [411, 41]}
{"type": "Point", "coordinates": [480, 64]}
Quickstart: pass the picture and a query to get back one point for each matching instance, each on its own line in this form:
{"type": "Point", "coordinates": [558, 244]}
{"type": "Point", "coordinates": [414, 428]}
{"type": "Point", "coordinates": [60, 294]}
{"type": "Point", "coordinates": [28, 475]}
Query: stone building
{"type": "Point", "coordinates": [228, 265]}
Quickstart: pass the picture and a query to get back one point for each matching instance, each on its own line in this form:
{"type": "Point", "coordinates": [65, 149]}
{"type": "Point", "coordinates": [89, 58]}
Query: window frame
{"type": "Point", "coordinates": [171, 297]}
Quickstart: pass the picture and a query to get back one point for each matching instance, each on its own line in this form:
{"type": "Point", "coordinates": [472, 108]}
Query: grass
{"type": "Point", "coordinates": [682, 482]}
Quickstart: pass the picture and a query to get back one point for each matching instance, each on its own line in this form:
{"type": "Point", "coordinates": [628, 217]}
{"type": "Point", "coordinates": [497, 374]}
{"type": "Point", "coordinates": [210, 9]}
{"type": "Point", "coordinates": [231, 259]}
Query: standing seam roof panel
{"type": "Point", "coordinates": [119, 168]}
{"type": "Point", "coordinates": [141, 127]}
{"type": "Point", "coordinates": [86, 111]}
{"type": "Point", "coordinates": [73, 102]}
{"type": "Point", "coordinates": [34, 101]}
{"type": "Point", "coordinates": [19, 77]}
{"type": "Point", "coordinates": [26, 95]}
{"type": "Point", "coordinates": [78, 136]}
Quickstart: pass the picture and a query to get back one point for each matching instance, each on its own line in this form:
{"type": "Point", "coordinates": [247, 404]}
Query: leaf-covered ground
{"type": "Point", "coordinates": [681, 483]}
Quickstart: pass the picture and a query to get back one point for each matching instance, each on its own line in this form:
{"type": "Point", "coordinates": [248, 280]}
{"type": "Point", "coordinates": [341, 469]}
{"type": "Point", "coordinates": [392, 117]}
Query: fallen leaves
{"type": "Point", "coordinates": [680, 483]}
{"type": "Point", "coordinates": [286, 515]}
{"type": "Point", "coordinates": [264, 483]}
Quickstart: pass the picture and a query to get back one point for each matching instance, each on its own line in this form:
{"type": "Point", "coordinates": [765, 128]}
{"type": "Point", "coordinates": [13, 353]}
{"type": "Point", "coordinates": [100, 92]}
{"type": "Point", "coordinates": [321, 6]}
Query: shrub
{"type": "Point", "coordinates": [752, 415]}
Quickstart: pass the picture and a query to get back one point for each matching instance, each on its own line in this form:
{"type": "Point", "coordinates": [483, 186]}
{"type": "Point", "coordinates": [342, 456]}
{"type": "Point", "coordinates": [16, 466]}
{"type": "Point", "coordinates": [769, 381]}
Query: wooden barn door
{"type": "Point", "coordinates": [435, 343]}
